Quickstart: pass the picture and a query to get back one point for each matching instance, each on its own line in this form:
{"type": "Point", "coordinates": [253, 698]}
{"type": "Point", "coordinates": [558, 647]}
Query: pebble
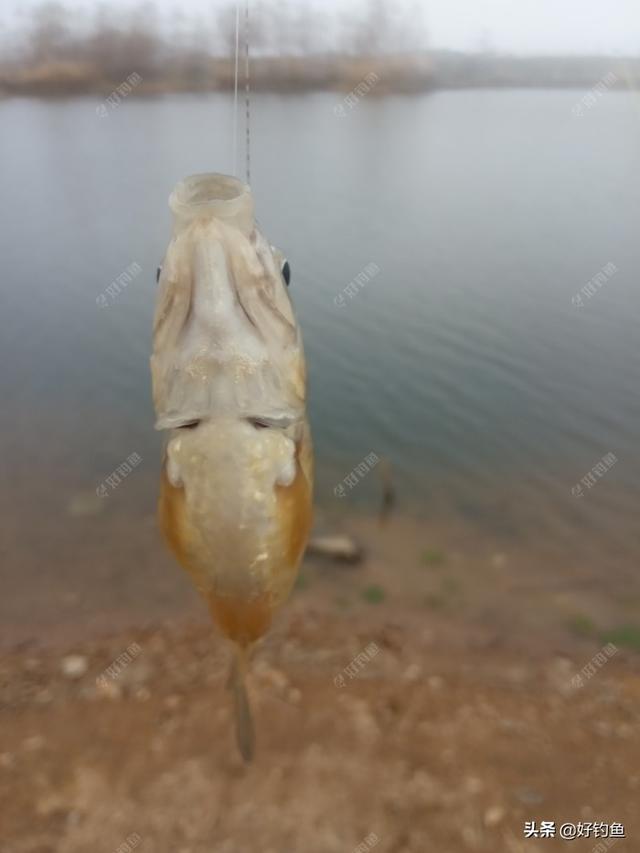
{"type": "Point", "coordinates": [294, 696]}
{"type": "Point", "coordinates": [529, 796]}
{"type": "Point", "coordinates": [413, 672]}
{"type": "Point", "coordinates": [136, 673]}
{"type": "Point", "coordinates": [88, 693]}
{"type": "Point", "coordinates": [473, 785]}
{"type": "Point", "coordinates": [471, 836]}
{"type": "Point", "coordinates": [493, 816]}
{"type": "Point", "coordinates": [603, 728]}
{"type": "Point", "coordinates": [33, 743]}
{"type": "Point", "coordinates": [50, 804]}
{"type": "Point", "coordinates": [273, 677]}
{"type": "Point", "coordinates": [364, 721]}
{"type": "Point", "coordinates": [157, 745]}
{"type": "Point", "coordinates": [74, 666]}
{"type": "Point", "coordinates": [7, 760]}
{"type": "Point", "coordinates": [85, 504]}
{"type": "Point", "coordinates": [107, 688]}
{"type": "Point", "coordinates": [44, 696]}
{"type": "Point", "coordinates": [561, 674]}
{"type": "Point", "coordinates": [518, 674]}
{"type": "Point", "coordinates": [424, 789]}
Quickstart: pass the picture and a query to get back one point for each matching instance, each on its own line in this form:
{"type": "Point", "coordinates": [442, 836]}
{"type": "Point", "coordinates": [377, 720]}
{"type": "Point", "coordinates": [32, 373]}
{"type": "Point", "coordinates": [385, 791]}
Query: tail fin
{"type": "Point", "coordinates": [245, 735]}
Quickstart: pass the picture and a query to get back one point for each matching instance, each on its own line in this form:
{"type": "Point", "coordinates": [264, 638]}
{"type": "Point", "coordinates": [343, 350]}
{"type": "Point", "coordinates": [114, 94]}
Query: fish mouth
{"type": "Point", "coordinates": [211, 194]}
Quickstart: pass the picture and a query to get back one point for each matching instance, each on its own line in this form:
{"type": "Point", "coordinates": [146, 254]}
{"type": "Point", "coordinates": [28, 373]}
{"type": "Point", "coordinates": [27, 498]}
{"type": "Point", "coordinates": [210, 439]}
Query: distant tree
{"type": "Point", "coordinates": [104, 47]}
{"type": "Point", "coordinates": [142, 44]}
{"type": "Point", "coordinates": [267, 25]}
{"type": "Point", "coordinates": [385, 27]}
{"type": "Point", "coordinates": [49, 37]}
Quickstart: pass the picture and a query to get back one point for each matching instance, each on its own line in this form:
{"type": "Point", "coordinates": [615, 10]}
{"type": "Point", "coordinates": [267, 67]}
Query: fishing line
{"type": "Point", "coordinates": [235, 93]}
{"type": "Point", "coordinates": [247, 94]}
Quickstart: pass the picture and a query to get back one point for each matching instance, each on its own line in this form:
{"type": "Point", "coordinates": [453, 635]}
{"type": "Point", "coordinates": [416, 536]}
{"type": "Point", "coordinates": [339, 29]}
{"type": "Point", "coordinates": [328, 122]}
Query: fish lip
{"type": "Point", "coordinates": [213, 194]}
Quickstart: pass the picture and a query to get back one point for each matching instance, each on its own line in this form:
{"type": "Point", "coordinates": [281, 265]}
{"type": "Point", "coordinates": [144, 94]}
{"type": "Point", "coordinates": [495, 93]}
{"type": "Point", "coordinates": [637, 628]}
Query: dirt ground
{"type": "Point", "coordinates": [435, 697]}
{"type": "Point", "coordinates": [433, 741]}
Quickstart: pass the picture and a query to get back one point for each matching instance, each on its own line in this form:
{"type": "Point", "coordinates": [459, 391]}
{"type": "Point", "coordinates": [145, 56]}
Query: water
{"type": "Point", "coordinates": [463, 360]}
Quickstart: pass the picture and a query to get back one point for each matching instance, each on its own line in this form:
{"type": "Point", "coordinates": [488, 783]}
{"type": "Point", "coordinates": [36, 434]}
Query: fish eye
{"type": "Point", "coordinates": [286, 272]}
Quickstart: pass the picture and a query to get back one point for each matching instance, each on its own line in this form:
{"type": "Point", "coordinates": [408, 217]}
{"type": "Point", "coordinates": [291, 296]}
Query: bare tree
{"type": "Point", "coordinates": [49, 36]}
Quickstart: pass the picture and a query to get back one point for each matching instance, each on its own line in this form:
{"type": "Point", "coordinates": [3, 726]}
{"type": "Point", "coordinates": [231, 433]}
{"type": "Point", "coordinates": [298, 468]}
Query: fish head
{"type": "Point", "coordinates": [225, 337]}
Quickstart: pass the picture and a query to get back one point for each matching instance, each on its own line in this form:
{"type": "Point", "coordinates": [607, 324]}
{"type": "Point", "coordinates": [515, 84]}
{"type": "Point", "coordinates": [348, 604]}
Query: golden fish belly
{"type": "Point", "coordinates": [235, 507]}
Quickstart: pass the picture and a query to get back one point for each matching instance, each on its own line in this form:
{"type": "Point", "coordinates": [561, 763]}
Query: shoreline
{"type": "Point", "coordinates": [419, 73]}
{"type": "Point", "coordinates": [435, 569]}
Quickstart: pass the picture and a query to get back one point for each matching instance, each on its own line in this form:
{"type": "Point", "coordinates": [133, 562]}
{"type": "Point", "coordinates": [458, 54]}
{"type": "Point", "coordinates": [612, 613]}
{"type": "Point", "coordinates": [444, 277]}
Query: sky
{"type": "Point", "coordinates": [511, 26]}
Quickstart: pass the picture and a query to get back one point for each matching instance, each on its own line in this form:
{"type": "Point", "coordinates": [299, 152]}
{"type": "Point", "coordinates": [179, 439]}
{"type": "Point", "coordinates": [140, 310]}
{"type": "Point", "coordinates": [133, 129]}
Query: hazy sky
{"type": "Point", "coordinates": [520, 26]}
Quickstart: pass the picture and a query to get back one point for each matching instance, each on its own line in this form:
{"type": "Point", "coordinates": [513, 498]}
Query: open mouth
{"type": "Point", "coordinates": [211, 194]}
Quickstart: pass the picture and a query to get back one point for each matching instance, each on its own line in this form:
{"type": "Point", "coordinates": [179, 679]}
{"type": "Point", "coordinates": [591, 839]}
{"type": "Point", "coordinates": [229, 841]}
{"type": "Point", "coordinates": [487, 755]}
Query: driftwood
{"type": "Point", "coordinates": [339, 547]}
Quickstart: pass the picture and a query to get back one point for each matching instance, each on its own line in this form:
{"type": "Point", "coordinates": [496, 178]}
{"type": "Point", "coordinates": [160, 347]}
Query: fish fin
{"type": "Point", "coordinates": [245, 734]}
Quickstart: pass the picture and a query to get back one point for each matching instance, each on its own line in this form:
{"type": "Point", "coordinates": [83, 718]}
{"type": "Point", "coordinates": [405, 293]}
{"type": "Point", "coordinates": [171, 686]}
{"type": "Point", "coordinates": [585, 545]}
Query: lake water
{"type": "Point", "coordinates": [464, 360]}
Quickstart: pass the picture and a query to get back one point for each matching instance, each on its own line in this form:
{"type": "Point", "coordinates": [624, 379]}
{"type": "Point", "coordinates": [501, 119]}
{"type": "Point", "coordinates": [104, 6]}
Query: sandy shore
{"type": "Point", "coordinates": [467, 719]}
{"type": "Point", "coordinates": [438, 741]}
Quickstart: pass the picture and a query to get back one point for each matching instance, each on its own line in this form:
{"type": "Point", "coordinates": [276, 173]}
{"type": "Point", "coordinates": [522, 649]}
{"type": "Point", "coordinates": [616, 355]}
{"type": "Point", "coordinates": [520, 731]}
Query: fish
{"type": "Point", "coordinates": [229, 390]}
